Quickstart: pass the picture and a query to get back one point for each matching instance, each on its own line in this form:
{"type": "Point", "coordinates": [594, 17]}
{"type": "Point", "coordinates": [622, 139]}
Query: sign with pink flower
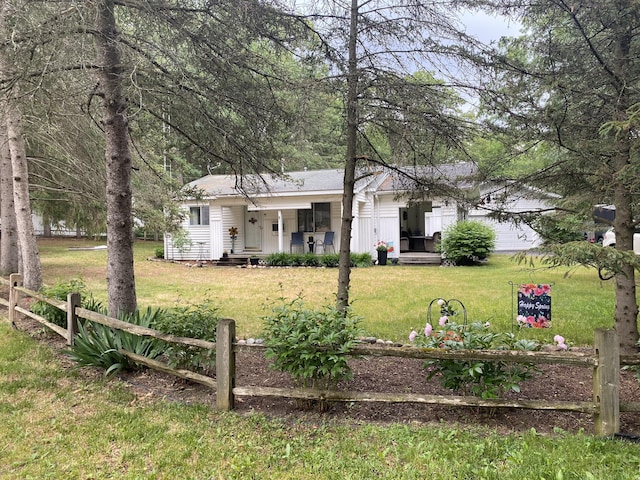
{"type": "Point", "coordinates": [534, 305]}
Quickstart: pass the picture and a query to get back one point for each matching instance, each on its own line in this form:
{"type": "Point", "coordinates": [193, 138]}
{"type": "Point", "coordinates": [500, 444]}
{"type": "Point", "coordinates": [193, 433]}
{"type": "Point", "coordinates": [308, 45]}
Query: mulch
{"type": "Point", "coordinates": [383, 374]}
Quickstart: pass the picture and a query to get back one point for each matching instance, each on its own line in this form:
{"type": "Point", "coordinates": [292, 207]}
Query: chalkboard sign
{"type": "Point", "coordinates": [534, 305]}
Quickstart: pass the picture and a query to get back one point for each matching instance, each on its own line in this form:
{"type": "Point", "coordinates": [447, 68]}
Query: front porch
{"type": "Point", "coordinates": [405, 258]}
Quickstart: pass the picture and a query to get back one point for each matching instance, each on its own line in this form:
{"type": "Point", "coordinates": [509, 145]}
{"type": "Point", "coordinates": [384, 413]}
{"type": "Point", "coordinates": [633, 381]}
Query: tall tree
{"type": "Point", "coordinates": [375, 46]}
{"type": "Point", "coordinates": [120, 275]}
{"type": "Point", "coordinates": [572, 81]}
{"type": "Point", "coordinates": [9, 252]}
{"type": "Point", "coordinates": [12, 122]}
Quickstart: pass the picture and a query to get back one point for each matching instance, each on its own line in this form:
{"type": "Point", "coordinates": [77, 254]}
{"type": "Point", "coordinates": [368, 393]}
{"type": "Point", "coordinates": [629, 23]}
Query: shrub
{"type": "Point", "coordinates": [159, 252]}
{"type": "Point", "coordinates": [311, 345]}
{"type": "Point", "coordinates": [361, 260]}
{"type": "Point", "coordinates": [60, 292]}
{"type": "Point", "coordinates": [196, 321]}
{"type": "Point", "coordinates": [466, 242]}
{"type": "Point", "coordinates": [330, 260]}
{"type": "Point", "coordinates": [483, 378]}
{"type": "Point", "coordinates": [313, 260]}
{"type": "Point", "coordinates": [97, 345]}
{"type": "Point", "coordinates": [277, 259]}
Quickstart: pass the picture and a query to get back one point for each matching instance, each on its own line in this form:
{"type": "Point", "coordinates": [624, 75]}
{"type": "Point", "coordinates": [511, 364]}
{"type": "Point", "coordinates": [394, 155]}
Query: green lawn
{"type": "Point", "coordinates": [55, 424]}
{"type": "Point", "coordinates": [392, 300]}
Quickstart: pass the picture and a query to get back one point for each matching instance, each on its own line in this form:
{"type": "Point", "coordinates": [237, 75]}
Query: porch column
{"type": "Point", "coordinates": [280, 233]}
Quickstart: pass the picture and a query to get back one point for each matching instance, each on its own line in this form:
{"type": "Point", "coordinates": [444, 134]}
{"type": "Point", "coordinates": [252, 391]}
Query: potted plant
{"type": "Point", "coordinates": [382, 248]}
{"type": "Point", "coordinates": [253, 260]}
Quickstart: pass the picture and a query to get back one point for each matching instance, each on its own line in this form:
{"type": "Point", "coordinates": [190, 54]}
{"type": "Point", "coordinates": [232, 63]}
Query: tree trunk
{"type": "Point", "coordinates": [9, 252]}
{"type": "Point", "coordinates": [31, 270]}
{"type": "Point", "coordinates": [120, 275]}
{"type": "Point", "coordinates": [626, 309]}
{"type": "Point", "coordinates": [344, 272]}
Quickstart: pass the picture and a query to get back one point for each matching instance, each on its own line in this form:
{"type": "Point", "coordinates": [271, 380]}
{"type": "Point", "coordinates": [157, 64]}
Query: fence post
{"type": "Point", "coordinates": [15, 280]}
{"type": "Point", "coordinates": [225, 364]}
{"type": "Point", "coordinates": [73, 300]}
{"type": "Point", "coordinates": [606, 383]}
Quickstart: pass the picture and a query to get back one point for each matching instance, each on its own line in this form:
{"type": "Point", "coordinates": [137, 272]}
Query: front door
{"type": "Point", "coordinates": [253, 231]}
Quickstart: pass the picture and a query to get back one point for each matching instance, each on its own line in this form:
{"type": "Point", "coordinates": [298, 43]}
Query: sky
{"type": "Point", "coordinates": [488, 28]}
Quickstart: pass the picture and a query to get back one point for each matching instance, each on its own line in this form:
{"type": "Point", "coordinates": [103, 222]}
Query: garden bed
{"type": "Point", "coordinates": [383, 374]}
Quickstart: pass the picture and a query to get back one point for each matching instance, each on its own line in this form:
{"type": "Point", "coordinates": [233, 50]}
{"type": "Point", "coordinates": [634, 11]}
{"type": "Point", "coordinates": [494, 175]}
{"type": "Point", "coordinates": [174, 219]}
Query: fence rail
{"type": "Point", "coordinates": [605, 362]}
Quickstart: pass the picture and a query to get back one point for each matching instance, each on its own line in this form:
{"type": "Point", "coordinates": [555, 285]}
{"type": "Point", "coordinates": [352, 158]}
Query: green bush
{"type": "Point", "coordinates": [330, 260]}
{"type": "Point", "coordinates": [313, 260]}
{"type": "Point", "coordinates": [311, 345]}
{"type": "Point", "coordinates": [159, 252]}
{"type": "Point", "coordinates": [196, 321]}
{"type": "Point", "coordinates": [464, 243]}
{"type": "Point", "coordinates": [60, 292]}
{"type": "Point", "coordinates": [361, 260]}
{"type": "Point", "coordinates": [486, 379]}
{"type": "Point", "coordinates": [97, 345]}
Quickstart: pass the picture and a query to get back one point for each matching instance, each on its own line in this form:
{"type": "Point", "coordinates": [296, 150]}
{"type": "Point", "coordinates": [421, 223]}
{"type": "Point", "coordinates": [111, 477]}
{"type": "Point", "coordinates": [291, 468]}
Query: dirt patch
{"type": "Point", "coordinates": [383, 374]}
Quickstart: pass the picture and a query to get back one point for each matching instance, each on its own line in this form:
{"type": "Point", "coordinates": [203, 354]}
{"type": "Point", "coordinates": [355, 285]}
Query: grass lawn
{"type": "Point", "coordinates": [56, 424]}
{"type": "Point", "coordinates": [392, 300]}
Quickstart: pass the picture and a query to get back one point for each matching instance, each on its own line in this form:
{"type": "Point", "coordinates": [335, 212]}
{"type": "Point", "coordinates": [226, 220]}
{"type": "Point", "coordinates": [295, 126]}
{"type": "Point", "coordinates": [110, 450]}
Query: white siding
{"type": "Point", "coordinates": [388, 223]}
{"type": "Point", "coordinates": [509, 236]}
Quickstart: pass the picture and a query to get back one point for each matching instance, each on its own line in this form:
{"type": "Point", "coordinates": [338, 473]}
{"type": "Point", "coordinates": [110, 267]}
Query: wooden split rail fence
{"type": "Point", "coordinates": [605, 361]}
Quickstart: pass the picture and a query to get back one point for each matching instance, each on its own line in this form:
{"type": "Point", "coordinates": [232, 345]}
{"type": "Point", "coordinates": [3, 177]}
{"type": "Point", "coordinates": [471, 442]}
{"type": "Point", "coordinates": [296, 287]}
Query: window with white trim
{"type": "Point", "coordinates": [315, 219]}
{"type": "Point", "coordinates": [199, 215]}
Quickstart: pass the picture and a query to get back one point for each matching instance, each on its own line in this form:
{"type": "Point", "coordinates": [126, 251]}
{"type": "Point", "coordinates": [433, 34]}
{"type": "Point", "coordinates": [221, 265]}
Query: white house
{"type": "Point", "coordinates": [265, 212]}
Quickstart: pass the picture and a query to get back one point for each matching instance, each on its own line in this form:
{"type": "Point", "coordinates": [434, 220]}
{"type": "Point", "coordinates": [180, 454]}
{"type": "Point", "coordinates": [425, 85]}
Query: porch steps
{"type": "Point", "coordinates": [232, 261]}
{"type": "Point", "coordinates": [419, 258]}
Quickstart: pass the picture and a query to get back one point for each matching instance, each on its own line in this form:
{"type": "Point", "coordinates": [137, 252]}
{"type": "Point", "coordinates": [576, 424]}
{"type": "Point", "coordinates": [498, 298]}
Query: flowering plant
{"type": "Point", "coordinates": [381, 246]}
{"type": "Point", "coordinates": [487, 379]}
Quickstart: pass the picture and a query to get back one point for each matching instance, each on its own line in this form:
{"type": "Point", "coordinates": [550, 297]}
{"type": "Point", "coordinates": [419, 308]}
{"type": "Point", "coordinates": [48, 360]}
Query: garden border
{"type": "Point", "coordinates": [605, 360]}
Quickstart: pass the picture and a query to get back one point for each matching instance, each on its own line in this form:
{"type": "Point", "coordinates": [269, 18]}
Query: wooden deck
{"type": "Point", "coordinates": [419, 258]}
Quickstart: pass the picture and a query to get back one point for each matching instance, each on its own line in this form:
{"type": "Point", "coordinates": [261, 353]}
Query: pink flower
{"type": "Point", "coordinates": [413, 335]}
{"type": "Point", "coordinates": [527, 289]}
{"type": "Point", "coordinates": [443, 320]}
{"type": "Point", "coordinates": [521, 319]}
{"type": "Point", "coordinates": [559, 339]}
{"type": "Point", "coordinates": [428, 329]}
{"type": "Point", "coordinates": [440, 302]}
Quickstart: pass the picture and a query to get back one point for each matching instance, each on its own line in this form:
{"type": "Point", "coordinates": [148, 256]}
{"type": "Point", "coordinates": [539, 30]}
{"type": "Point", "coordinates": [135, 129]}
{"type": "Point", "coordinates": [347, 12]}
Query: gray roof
{"type": "Point", "coordinates": [331, 181]}
{"type": "Point", "coordinates": [291, 182]}
{"type": "Point", "coordinates": [458, 175]}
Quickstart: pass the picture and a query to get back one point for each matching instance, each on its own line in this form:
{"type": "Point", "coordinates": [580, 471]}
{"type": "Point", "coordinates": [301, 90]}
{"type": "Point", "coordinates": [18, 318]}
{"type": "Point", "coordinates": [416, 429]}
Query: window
{"type": "Point", "coordinates": [199, 215]}
{"type": "Point", "coordinates": [315, 219]}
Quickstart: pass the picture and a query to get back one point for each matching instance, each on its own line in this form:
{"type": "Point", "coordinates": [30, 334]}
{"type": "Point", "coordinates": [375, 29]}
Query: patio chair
{"type": "Point", "coordinates": [327, 242]}
{"type": "Point", "coordinates": [297, 240]}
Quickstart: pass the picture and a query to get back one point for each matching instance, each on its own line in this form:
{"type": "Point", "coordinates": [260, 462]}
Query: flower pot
{"type": "Point", "coordinates": [382, 257]}
{"type": "Point", "coordinates": [254, 260]}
